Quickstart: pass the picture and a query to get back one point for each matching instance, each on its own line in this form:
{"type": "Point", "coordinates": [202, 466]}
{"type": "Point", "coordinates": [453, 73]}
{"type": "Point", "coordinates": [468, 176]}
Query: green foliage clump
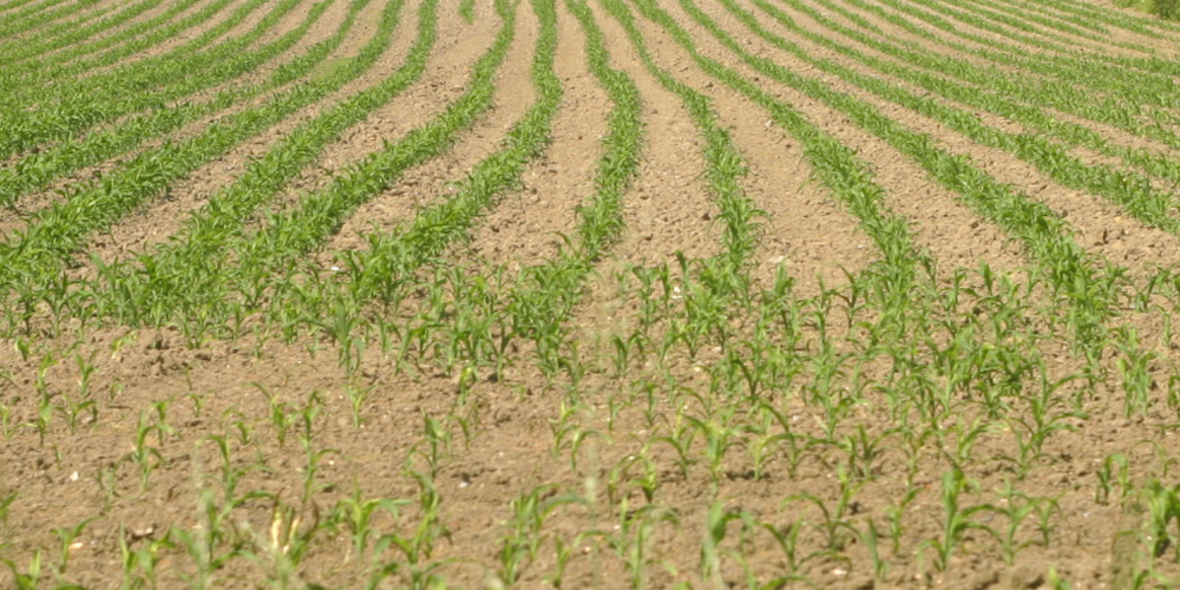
{"type": "Point", "coordinates": [1165, 9]}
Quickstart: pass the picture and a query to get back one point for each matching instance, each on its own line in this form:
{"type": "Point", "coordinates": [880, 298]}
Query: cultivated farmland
{"type": "Point", "coordinates": [588, 294]}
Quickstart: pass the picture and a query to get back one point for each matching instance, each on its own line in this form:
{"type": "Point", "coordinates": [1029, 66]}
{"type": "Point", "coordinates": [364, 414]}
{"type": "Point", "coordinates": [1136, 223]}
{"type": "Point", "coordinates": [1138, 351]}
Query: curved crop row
{"type": "Point", "coordinates": [939, 74]}
{"type": "Point", "coordinates": [278, 245]}
{"type": "Point", "coordinates": [37, 170]}
{"type": "Point", "coordinates": [24, 129]}
{"type": "Point", "coordinates": [69, 107]}
{"type": "Point", "coordinates": [75, 33]}
{"type": "Point", "coordinates": [34, 17]}
{"type": "Point", "coordinates": [151, 288]}
{"type": "Point", "coordinates": [55, 234]}
{"type": "Point", "coordinates": [74, 60]}
{"type": "Point", "coordinates": [1128, 189]}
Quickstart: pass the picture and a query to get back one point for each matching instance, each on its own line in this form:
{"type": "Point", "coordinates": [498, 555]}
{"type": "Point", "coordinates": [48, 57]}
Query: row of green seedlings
{"type": "Point", "coordinates": [1050, 30]}
{"type": "Point", "coordinates": [76, 104]}
{"type": "Point", "coordinates": [1090, 18]}
{"type": "Point", "coordinates": [1047, 402]}
{"type": "Point", "coordinates": [848, 179]}
{"type": "Point", "coordinates": [47, 71]}
{"type": "Point", "coordinates": [1070, 16]}
{"type": "Point", "coordinates": [841, 173]}
{"type": "Point", "coordinates": [542, 298]}
{"type": "Point", "coordinates": [286, 237]}
{"type": "Point", "coordinates": [13, 5]}
{"type": "Point", "coordinates": [722, 279]}
{"type": "Point", "coordinates": [51, 30]}
{"type": "Point", "coordinates": [1129, 189]}
{"type": "Point", "coordinates": [20, 9]}
{"type": "Point", "coordinates": [1062, 58]}
{"type": "Point", "coordinates": [91, 104]}
{"type": "Point", "coordinates": [36, 77]}
{"type": "Point", "coordinates": [476, 303]}
{"type": "Point", "coordinates": [46, 41]}
{"type": "Point", "coordinates": [33, 17]}
{"type": "Point", "coordinates": [1141, 82]}
{"type": "Point", "coordinates": [36, 171]}
{"type": "Point", "coordinates": [1034, 37]}
{"type": "Point", "coordinates": [134, 293]}
{"type": "Point", "coordinates": [1114, 97]}
{"type": "Point", "coordinates": [489, 315]}
{"type": "Point", "coordinates": [482, 326]}
{"type": "Point", "coordinates": [1093, 304]}
{"type": "Point", "coordinates": [393, 257]}
{"type": "Point", "coordinates": [1095, 308]}
{"type": "Point", "coordinates": [1053, 71]}
{"type": "Point", "coordinates": [1091, 295]}
{"type": "Point", "coordinates": [667, 289]}
{"type": "Point", "coordinates": [87, 14]}
{"type": "Point", "coordinates": [56, 233]}
{"type": "Point", "coordinates": [71, 60]}
{"type": "Point", "coordinates": [129, 39]}
{"type": "Point", "coordinates": [1130, 22]}
{"type": "Point", "coordinates": [999, 103]}
{"type": "Point", "coordinates": [1054, 20]}
{"type": "Point", "coordinates": [1070, 25]}
{"type": "Point", "coordinates": [137, 291]}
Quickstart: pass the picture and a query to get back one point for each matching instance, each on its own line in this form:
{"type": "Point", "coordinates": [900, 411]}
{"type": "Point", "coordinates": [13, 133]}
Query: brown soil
{"type": "Point", "coordinates": [161, 219]}
{"type": "Point", "coordinates": [188, 35]}
{"type": "Point", "coordinates": [523, 229]}
{"type": "Point", "coordinates": [131, 420]}
{"type": "Point", "coordinates": [805, 229]}
{"type": "Point", "coordinates": [943, 226]}
{"type": "Point", "coordinates": [443, 82]}
{"type": "Point", "coordinates": [671, 171]}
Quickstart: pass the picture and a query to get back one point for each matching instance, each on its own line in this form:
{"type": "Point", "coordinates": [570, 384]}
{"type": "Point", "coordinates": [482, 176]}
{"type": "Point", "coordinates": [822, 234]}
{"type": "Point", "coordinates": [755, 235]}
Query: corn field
{"type": "Point", "coordinates": [762, 294]}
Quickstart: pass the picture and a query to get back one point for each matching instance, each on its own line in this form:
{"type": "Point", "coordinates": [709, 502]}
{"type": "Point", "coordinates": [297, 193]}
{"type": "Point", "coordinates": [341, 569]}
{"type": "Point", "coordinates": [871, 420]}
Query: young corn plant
{"type": "Point", "coordinates": [356, 514]}
{"type": "Point", "coordinates": [66, 538]}
{"type": "Point", "coordinates": [1016, 506]}
{"type": "Point", "coordinates": [30, 577]}
{"type": "Point", "coordinates": [835, 526]}
{"type": "Point", "coordinates": [632, 538]}
{"type": "Point", "coordinates": [1115, 471]}
{"type": "Point", "coordinates": [145, 457]}
{"type": "Point", "coordinates": [521, 546]}
{"type": "Point", "coordinates": [140, 565]}
{"type": "Point", "coordinates": [957, 520]}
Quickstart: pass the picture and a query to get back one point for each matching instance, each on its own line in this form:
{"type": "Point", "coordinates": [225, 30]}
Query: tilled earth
{"type": "Point", "coordinates": [138, 458]}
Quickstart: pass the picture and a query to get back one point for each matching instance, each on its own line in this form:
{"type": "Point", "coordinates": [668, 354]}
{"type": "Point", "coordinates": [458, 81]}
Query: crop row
{"type": "Point", "coordinates": [37, 170]}
{"type": "Point", "coordinates": [96, 104]}
{"type": "Point", "coordinates": [721, 430]}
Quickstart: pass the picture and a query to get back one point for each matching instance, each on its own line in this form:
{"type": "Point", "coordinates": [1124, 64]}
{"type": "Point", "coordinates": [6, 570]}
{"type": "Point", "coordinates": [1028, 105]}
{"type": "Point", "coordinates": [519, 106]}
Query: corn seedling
{"type": "Point", "coordinates": [957, 520]}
